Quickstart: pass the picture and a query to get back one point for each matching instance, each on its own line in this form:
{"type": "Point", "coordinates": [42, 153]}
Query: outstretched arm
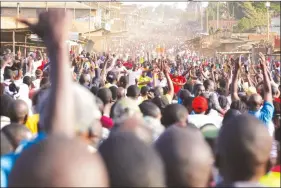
{"type": "Point", "coordinates": [266, 81]}
{"type": "Point", "coordinates": [234, 84]}
{"type": "Point", "coordinates": [53, 27]}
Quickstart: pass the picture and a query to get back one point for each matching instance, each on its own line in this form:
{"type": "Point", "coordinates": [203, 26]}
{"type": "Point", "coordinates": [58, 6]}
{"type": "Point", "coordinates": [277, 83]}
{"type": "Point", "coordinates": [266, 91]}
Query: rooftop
{"type": "Point", "coordinates": [38, 4]}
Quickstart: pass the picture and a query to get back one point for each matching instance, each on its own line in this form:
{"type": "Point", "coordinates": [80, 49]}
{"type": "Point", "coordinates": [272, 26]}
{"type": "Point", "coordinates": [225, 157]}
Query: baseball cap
{"type": "Point", "coordinates": [210, 131]}
{"type": "Point", "coordinates": [200, 104]}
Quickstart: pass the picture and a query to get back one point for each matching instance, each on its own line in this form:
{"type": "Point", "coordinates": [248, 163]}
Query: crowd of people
{"type": "Point", "coordinates": [96, 120]}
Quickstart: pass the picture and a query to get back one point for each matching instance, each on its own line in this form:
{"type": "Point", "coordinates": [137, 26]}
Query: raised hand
{"type": "Point", "coordinates": [53, 26]}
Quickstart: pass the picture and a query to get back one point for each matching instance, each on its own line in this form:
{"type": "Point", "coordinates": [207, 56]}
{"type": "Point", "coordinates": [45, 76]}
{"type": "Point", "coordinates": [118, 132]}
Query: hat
{"type": "Point", "coordinates": [210, 131]}
{"type": "Point", "coordinates": [251, 90]}
{"type": "Point", "coordinates": [124, 108]}
{"type": "Point", "coordinates": [38, 72]}
{"type": "Point", "coordinates": [200, 104]}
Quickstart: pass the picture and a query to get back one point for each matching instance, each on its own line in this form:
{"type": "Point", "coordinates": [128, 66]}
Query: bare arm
{"type": "Point", "coordinates": [266, 80]}
{"type": "Point", "coordinates": [169, 80]}
{"type": "Point", "coordinates": [234, 84]}
{"type": "Point", "coordinates": [60, 109]}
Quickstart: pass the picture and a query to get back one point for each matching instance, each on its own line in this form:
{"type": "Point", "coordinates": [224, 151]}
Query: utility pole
{"type": "Point", "coordinates": [207, 20]}
{"type": "Point", "coordinates": [218, 9]}
{"type": "Point", "coordinates": [46, 6]}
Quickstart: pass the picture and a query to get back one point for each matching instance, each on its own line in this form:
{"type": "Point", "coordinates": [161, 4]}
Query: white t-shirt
{"type": "Point", "coordinates": [200, 120]}
{"type": "Point", "coordinates": [36, 83]}
{"type": "Point", "coordinates": [118, 70]}
{"type": "Point", "coordinates": [133, 75]}
{"type": "Point", "coordinates": [162, 83]}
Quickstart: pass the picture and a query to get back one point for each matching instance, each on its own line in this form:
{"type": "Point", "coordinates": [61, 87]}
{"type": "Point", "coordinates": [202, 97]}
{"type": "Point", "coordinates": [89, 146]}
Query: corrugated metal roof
{"type": "Point", "coordinates": [38, 4]}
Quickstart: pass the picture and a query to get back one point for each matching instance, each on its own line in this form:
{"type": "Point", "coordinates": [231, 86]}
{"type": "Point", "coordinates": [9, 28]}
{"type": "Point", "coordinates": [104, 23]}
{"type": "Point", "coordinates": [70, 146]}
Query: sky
{"type": "Point", "coordinates": [180, 5]}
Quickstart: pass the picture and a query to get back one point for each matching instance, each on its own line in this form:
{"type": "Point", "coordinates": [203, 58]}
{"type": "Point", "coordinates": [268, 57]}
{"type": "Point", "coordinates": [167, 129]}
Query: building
{"type": "Point", "coordinates": [223, 24]}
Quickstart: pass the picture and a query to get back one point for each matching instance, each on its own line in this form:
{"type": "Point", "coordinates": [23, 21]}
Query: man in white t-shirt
{"type": "Point", "coordinates": [134, 74]}
{"type": "Point", "coordinates": [161, 81]}
{"type": "Point", "coordinates": [199, 119]}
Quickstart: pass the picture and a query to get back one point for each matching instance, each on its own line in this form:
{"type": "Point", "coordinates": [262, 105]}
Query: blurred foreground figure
{"type": "Point", "coordinates": [243, 153]}
{"type": "Point", "coordinates": [187, 157]}
{"type": "Point", "coordinates": [131, 162]}
{"type": "Point", "coordinates": [58, 162]}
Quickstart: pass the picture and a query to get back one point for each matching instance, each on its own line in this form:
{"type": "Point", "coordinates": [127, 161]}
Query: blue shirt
{"type": "Point", "coordinates": [265, 114]}
{"type": "Point", "coordinates": [8, 160]}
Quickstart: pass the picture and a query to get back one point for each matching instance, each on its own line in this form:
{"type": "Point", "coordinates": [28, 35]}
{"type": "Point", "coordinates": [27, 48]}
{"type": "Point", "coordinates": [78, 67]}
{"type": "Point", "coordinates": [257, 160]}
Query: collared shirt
{"type": "Point", "coordinates": [265, 114]}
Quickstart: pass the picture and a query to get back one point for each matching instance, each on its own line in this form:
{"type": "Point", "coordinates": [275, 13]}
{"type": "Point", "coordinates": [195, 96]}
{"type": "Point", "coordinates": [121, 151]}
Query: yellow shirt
{"type": "Point", "coordinates": [32, 123]}
{"type": "Point", "coordinates": [143, 79]}
{"type": "Point", "coordinates": [108, 85]}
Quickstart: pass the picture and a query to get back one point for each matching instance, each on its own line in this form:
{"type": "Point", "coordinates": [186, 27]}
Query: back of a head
{"type": "Point", "coordinates": [229, 115]}
{"type": "Point", "coordinates": [94, 90]}
{"type": "Point", "coordinates": [16, 133]}
{"type": "Point", "coordinates": [44, 82]}
{"type": "Point", "coordinates": [120, 93]}
{"type": "Point", "coordinates": [131, 162]}
{"type": "Point", "coordinates": [62, 162]}
{"type": "Point", "coordinates": [174, 113]}
{"type": "Point", "coordinates": [187, 157]}
{"type": "Point", "coordinates": [133, 91]}
{"type": "Point", "coordinates": [150, 109]}
{"type": "Point", "coordinates": [27, 80]}
{"type": "Point", "coordinates": [6, 102]}
{"type": "Point", "coordinates": [244, 146]}
{"type": "Point", "coordinates": [8, 74]}
{"type": "Point", "coordinates": [144, 90]}
{"type": "Point", "coordinates": [207, 84]}
{"type": "Point", "coordinates": [6, 146]}
{"type": "Point", "coordinates": [184, 94]}
{"type": "Point", "coordinates": [223, 101]}
{"type": "Point", "coordinates": [18, 111]}
{"type": "Point", "coordinates": [113, 90]}
{"type": "Point", "coordinates": [239, 105]}
{"type": "Point", "coordinates": [105, 95]}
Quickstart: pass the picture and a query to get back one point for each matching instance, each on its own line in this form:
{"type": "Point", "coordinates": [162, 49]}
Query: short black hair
{"type": "Point", "coordinates": [105, 95]}
{"type": "Point", "coordinates": [133, 91]}
{"type": "Point", "coordinates": [94, 90]}
{"type": "Point", "coordinates": [27, 80]}
{"type": "Point", "coordinates": [131, 162]}
{"type": "Point", "coordinates": [172, 114]}
{"type": "Point", "coordinates": [149, 109]}
{"type": "Point", "coordinates": [144, 90]}
{"type": "Point", "coordinates": [113, 90]}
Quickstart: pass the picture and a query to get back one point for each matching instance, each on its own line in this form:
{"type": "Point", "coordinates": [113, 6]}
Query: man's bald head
{"type": "Point", "coordinates": [131, 162]}
{"type": "Point", "coordinates": [244, 146]}
{"type": "Point", "coordinates": [255, 102]}
{"type": "Point", "coordinates": [58, 162]}
{"type": "Point", "coordinates": [18, 112]}
{"type": "Point", "coordinates": [187, 157]}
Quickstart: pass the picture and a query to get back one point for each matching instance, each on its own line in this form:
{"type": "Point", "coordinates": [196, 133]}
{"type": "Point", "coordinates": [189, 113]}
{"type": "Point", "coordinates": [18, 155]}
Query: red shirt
{"type": "Point", "coordinates": [41, 67]}
{"type": "Point", "coordinates": [178, 82]}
